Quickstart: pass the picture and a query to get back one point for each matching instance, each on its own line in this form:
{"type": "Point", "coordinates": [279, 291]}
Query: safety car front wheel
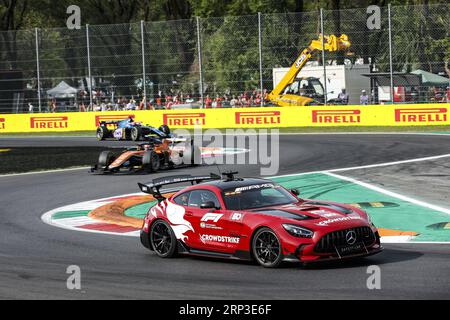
{"type": "Point", "coordinates": [266, 248]}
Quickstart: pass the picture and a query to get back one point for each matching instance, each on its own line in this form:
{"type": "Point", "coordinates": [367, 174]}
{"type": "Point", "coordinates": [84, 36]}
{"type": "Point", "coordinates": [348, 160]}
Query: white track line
{"type": "Point", "coordinates": [390, 193]}
{"type": "Point", "coordinates": [42, 172]}
{"type": "Point", "coordinates": [367, 166]}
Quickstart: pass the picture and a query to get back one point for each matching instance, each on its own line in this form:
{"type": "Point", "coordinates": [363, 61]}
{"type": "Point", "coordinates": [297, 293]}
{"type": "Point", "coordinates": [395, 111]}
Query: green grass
{"type": "Point", "coordinates": [410, 129]}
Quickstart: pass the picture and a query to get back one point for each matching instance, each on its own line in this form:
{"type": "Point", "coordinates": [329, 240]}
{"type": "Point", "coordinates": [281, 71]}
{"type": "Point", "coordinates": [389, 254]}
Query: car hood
{"type": "Point", "coordinates": [317, 214]}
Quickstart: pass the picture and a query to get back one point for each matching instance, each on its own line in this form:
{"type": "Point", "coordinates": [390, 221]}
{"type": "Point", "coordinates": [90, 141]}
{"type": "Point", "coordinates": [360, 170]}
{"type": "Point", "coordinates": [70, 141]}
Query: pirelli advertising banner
{"type": "Point", "coordinates": [271, 117]}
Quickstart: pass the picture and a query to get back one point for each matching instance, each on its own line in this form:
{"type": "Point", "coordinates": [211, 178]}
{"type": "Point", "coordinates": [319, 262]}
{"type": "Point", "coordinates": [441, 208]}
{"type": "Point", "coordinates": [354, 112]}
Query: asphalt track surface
{"type": "Point", "coordinates": [34, 256]}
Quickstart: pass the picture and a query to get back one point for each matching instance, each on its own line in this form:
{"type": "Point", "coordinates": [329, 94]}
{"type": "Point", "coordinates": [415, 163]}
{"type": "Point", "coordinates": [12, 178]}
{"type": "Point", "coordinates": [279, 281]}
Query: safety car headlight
{"type": "Point", "coordinates": [297, 231]}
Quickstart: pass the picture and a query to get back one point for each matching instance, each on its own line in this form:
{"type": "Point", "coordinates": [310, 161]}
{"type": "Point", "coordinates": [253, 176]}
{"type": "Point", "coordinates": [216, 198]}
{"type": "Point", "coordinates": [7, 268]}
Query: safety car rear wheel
{"type": "Point", "coordinates": [151, 161]}
{"type": "Point", "coordinates": [266, 248]}
{"type": "Point", "coordinates": [163, 240]}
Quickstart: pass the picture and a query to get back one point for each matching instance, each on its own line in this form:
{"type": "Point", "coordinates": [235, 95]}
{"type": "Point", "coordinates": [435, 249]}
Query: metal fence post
{"type": "Point", "coordinates": [144, 75]}
{"type": "Point", "coordinates": [260, 59]}
{"type": "Point", "coordinates": [38, 70]}
{"type": "Point", "coordinates": [200, 62]}
{"type": "Point", "coordinates": [89, 66]}
{"type": "Point", "coordinates": [390, 54]}
{"type": "Point", "coordinates": [323, 58]}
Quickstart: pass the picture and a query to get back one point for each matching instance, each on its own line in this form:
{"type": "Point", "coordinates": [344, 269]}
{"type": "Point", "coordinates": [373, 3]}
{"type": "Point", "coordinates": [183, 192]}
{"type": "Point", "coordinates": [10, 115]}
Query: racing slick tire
{"type": "Point", "coordinates": [102, 133]}
{"type": "Point", "coordinates": [165, 129]}
{"type": "Point", "coordinates": [106, 158]}
{"type": "Point", "coordinates": [267, 248]}
{"type": "Point", "coordinates": [136, 133]}
{"type": "Point", "coordinates": [163, 240]}
{"type": "Point", "coordinates": [192, 155]}
{"type": "Point", "coordinates": [151, 161]}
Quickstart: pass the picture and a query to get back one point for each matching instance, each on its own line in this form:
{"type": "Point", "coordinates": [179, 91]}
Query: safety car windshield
{"type": "Point", "coordinates": [257, 196]}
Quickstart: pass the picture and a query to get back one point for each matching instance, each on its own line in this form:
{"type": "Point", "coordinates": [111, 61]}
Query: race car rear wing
{"type": "Point", "coordinates": [154, 187]}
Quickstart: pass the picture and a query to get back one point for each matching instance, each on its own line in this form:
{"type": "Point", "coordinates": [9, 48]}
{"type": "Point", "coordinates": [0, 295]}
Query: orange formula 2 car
{"type": "Point", "coordinates": [150, 156]}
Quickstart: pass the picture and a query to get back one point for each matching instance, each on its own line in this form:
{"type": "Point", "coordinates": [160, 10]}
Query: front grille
{"type": "Point", "coordinates": [329, 242]}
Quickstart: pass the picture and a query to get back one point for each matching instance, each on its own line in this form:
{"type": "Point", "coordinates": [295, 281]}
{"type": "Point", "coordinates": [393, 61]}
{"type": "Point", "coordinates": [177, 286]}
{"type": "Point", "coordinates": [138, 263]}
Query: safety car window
{"type": "Point", "coordinates": [182, 199]}
{"type": "Point", "coordinates": [257, 196]}
{"type": "Point", "coordinates": [198, 197]}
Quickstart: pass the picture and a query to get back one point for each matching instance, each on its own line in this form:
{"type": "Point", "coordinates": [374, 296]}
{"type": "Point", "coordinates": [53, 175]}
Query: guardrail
{"type": "Point", "coordinates": [319, 116]}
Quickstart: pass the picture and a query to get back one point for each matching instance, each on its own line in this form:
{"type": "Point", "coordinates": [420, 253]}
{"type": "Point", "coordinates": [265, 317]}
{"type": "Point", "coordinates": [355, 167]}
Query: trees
{"type": "Point", "coordinates": [229, 38]}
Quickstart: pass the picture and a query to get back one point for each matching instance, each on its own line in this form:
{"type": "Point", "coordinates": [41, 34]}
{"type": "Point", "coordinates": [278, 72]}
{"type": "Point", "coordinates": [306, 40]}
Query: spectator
{"type": "Point", "coordinates": [233, 102]}
{"type": "Point", "coordinates": [218, 102]}
{"type": "Point", "coordinates": [189, 99]}
{"type": "Point", "coordinates": [131, 105]}
{"type": "Point", "coordinates": [343, 97]}
{"type": "Point", "coordinates": [30, 108]}
{"type": "Point", "coordinates": [258, 100]}
{"type": "Point", "coordinates": [208, 102]}
{"type": "Point", "coordinates": [142, 104]}
{"type": "Point", "coordinates": [158, 101]}
{"type": "Point", "coordinates": [364, 98]}
{"type": "Point", "coordinates": [169, 102]}
{"type": "Point", "coordinates": [53, 104]}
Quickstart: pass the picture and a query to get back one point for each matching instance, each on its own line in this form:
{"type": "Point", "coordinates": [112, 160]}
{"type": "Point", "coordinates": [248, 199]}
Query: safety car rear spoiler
{"type": "Point", "coordinates": [154, 187]}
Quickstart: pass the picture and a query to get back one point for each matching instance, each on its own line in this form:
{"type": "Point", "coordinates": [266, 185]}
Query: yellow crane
{"type": "Point", "coordinates": [290, 92]}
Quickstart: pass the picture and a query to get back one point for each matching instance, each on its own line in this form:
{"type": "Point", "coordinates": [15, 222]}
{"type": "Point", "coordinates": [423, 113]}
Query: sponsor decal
{"type": "Point", "coordinates": [184, 119]}
{"type": "Point", "coordinates": [2, 123]}
{"type": "Point", "coordinates": [119, 134]}
{"type": "Point", "coordinates": [254, 187]}
{"type": "Point", "coordinates": [336, 116]}
{"type": "Point", "coordinates": [325, 214]}
{"type": "Point", "coordinates": [118, 117]}
{"type": "Point", "coordinates": [300, 61]}
{"type": "Point", "coordinates": [209, 226]}
{"type": "Point", "coordinates": [330, 221]}
{"type": "Point", "coordinates": [214, 217]}
{"type": "Point", "coordinates": [258, 117]}
{"type": "Point", "coordinates": [236, 216]}
{"type": "Point", "coordinates": [422, 115]}
{"type": "Point", "coordinates": [51, 122]}
{"type": "Point", "coordinates": [221, 239]}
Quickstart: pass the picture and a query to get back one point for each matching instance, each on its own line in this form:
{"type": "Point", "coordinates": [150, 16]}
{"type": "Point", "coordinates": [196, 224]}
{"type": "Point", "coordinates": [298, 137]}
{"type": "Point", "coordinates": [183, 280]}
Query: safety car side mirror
{"type": "Point", "coordinates": [208, 205]}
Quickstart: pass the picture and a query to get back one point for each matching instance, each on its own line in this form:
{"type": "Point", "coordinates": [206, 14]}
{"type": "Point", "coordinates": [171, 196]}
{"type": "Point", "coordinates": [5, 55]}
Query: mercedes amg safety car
{"type": "Point", "coordinates": [253, 219]}
{"type": "Point", "coordinates": [126, 129]}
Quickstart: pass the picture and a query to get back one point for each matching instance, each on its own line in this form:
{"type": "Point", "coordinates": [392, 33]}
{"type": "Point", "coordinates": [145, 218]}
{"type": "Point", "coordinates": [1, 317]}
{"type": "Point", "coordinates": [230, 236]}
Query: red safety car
{"type": "Point", "coordinates": [229, 217]}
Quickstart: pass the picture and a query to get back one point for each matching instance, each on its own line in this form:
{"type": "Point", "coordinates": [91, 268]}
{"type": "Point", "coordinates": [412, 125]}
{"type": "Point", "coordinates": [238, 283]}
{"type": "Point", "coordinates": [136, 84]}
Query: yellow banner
{"type": "Point", "coordinates": [271, 117]}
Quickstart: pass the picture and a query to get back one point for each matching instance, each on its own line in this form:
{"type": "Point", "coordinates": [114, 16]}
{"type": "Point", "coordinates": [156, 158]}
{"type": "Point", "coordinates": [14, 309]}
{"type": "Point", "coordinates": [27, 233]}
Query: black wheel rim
{"type": "Point", "coordinates": [134, 134]}
{"type": "Point", "coordinates": [161, 238]}
{"type": "Point", "coordinates": [267, 247]}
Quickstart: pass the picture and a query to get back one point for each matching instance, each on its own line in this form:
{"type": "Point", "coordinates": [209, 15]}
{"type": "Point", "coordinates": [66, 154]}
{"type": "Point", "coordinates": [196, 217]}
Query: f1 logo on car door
{"type": "Point", "coordinates": [212, 217]}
